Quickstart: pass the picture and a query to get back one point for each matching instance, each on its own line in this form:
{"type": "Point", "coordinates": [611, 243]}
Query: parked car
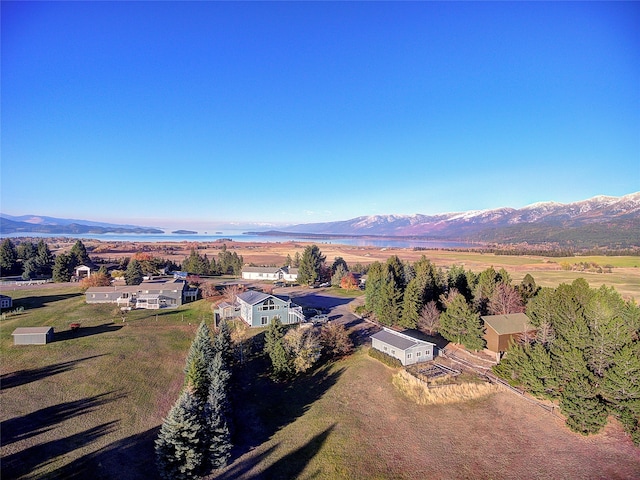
{"type": "Point", "coordinates": [321, 318]}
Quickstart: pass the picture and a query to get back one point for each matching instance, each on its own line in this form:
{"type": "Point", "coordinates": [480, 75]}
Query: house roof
{"type": "Point", "coordinates": [153, 285]}
{"type": "Point", "coordinates": [508, 323]}
{"type": "Point", "coordinates": [398, 340]}
{"type": "Point", "coordinates": [31, 330]}
{"type": "Point", "coordinates": [261, 269]}
{"type": "Point", "coordinates": [253, 296]}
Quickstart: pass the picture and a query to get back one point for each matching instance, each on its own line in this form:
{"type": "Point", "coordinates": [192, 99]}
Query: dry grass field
{"type": "Point", "coordinates": [89, 406]}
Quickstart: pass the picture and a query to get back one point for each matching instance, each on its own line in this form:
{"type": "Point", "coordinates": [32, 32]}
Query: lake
{"type": "Point", "coordinates": [238, 236]}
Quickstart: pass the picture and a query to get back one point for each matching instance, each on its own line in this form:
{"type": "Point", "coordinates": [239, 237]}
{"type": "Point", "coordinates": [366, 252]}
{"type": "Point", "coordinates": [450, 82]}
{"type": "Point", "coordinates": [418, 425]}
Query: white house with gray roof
{"type": "Point", "coordinates": [405, 348]}
{"type": "Point", "coordinates": [275, 274]}
{"type": "Point", "coordinates": [258, 309]}
{"type": "Point", "coordinates": [154, 294]}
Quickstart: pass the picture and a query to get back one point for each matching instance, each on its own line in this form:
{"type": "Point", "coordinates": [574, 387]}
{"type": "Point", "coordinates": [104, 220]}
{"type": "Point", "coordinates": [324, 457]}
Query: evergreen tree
{"type": "Point", "coordinates": [133, 274]}
{"type": "Point", "coordinates": [281, 361]}
{"type": "Point", "coordinates": [180, 448]}
{"type": "Point", "coordinates": [580, 404]}
{"type": "Point", "coordinates": [218, 410]}
{"type": "Point", "coordinates": [413, 301]}
{"type": "Point", "coordinates": [390, 302]}
{"type": "Point", "coordinates": [26, 250]}
{"type": "Point", "coordinates": [198, 364]}
{"type": "Point", "coordinates": [528, 288]}
{"type": "Point", "coordinates": [458, 279]}
{"type": "Point", "coordinates": [44, 259]}
{"type": "Point", "coordinates": [79, 255]}
{"type": "Point", "coordinates": [8, 257]}
{"type": "Point", "coordinates": [460, 324]}
{"type": "Point", "coordinates": [484, 288]}
{"type": "Point", "coordinates": [339, 273]}
{"type": "Point", "coordinates": [62, 268]}
{"type": "Point", "coordinates": [310, 265]}
{"type": "Point", "coordinates": [621, 388]}
{"type": "Point", "coordinates": [373, 287]}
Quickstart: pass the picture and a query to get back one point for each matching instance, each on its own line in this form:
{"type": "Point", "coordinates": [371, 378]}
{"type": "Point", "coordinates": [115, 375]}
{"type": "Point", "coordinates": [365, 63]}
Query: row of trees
{"type": "Point", "coordinates": [312, 268]}
{"type": "Point", "coordinates": [422, 296]}
{"type": "Point", "coordinates": [27, 259]}
{"type": "Point", "coordinates": [586, 356]}
{"type": "Point", "coordinates": [196, 435]}
{"type": "Point", "coordinates": [228, 263]}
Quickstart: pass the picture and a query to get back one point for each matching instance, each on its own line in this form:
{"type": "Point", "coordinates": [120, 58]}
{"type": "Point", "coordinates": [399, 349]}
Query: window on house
{"type": "Point", "coordinates": [264, 320]}
{"type": "Point", "coordinates": [417, 354]}
{"type": "Point", "coordinates": [408, 355]}
{"type": "Point", "coordinates": [385, 348]}
{"type": "Point", "coordinates": [393, 352]}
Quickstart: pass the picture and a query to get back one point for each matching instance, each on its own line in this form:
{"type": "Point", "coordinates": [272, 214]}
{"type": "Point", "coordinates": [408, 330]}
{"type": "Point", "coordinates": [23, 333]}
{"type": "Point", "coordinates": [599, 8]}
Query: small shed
{"type": "Point", "coordinates": [405, 348]}
{"type": "Point", "coordinates": [32, 335]}
{"type": "Point", "coordinates": [500, 330]}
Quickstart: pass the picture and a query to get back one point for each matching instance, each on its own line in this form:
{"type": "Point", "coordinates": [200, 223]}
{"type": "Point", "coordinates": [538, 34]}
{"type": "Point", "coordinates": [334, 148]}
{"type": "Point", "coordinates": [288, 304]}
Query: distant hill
{"type": "Point", "coordinates": [41, 224]}
{"type": "Point", "coordinates": [601, 221]}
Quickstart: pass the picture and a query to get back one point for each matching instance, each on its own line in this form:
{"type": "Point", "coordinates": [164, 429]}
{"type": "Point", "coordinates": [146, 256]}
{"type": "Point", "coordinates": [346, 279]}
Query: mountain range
{"type": "Point", "coordinates": [44, 224]}
{"type": "Point", "coordinates": [599, 221]}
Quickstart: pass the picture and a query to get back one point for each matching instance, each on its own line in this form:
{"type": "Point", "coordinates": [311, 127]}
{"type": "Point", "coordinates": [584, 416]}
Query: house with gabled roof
{"type": "Point", "coordinates": [501, 330]}
{"type": "Point", "coordinates": [154, 294]}
{"type": "Point", "coordinates": [407, 349]}
{"type": "Point", "coordinates": [258, 309]}
{"type": "Point", "coordinates": [275, 274]}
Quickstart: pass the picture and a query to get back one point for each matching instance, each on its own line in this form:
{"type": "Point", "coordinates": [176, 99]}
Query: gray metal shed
{"type": "Point", "coordinates": [32, 335]}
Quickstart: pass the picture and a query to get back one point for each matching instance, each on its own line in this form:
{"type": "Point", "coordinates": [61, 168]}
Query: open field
{"type": "Point", "coordinates": [625, 276]}
{"type": "Point", "coordinates": [89, 405]}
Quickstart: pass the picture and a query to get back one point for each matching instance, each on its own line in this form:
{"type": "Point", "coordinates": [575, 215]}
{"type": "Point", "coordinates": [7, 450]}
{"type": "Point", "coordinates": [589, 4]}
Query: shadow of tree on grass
{"type": "Point", "coordinates": [21, 463]}
{"type": "Point", "coordinates": [289, 466]}
{"type": "Point", "coordinates": [40, 421]}
{"type": "Point", "coordinates": [22, 377]}
{"type": "Point", "coordinates": [131, 458]}
{"type": "Point", "coordinates": [85, 331]}
{"type": "Point", "coordinates": [41, 301]}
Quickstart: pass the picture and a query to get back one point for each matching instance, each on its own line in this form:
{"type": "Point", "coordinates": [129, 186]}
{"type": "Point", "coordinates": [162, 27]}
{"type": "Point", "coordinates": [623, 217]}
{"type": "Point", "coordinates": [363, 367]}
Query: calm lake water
{"type": "Point", "coordinates": [240, 237]}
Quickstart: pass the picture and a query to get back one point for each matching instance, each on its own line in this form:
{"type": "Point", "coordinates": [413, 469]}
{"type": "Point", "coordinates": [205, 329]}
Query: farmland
{"type": "Point", "coordinates": [92, 402]}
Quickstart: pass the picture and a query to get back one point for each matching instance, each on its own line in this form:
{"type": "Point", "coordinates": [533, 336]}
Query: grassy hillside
{"type": "Point", "coordinates": [89, 406]}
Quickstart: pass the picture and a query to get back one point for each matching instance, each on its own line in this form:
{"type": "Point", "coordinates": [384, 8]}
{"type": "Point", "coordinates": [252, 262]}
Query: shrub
{"type": "Point", "coordinates": [385, 358]}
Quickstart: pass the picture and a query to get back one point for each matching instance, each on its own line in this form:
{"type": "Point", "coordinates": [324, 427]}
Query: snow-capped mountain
{"type": "Point", "coordinates": [545, 221]}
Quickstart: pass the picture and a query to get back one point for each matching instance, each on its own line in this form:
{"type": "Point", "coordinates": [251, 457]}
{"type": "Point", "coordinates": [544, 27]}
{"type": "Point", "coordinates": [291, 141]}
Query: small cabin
{"type": "Point", "coordinates": [501, 330]}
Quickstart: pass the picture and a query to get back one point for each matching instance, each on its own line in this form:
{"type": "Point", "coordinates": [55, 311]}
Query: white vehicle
{"type": "Point", "coordinates": [322, 318]}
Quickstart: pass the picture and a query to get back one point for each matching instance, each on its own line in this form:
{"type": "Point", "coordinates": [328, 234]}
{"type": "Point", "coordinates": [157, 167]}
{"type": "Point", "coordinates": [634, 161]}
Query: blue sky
{"type": "Point", "coordinates": [205, 113]}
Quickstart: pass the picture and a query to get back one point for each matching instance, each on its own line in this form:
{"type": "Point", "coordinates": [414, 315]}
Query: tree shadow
{"type": "Point", "coordinates": [40, 421]}
{"type": "Point", "coordinates": [263, 406]}
{"type": "Point", "coordinates": [22, 377]}
{"type": "Point", "coordinates": [22, 463]}
{"type": "Point", "coordinates": [130, 458]}
{"type": "Point", "coordinates": [289, 466]}
{"type": "Point", "coordinates": [41, 301]}
{"type": "Point", "coordinates": [85, 331]}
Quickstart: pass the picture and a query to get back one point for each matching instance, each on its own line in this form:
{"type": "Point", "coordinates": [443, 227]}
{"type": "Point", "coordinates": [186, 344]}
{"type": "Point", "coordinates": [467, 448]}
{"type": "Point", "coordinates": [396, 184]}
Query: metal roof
{"type": "Point", "coordinates": [398, 340]}
{"type": "Point", "coordinates": [252, 297]}
{"type": "Point", "coordinates": [31, 330]}
{"type": "Point", "coordinates": [508, 323]}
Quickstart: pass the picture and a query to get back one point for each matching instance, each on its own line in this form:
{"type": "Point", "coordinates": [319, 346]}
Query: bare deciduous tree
{"type": "Point", "coordinates": [505, 299]}
{"type": "Point", "coordinates": [429, 319]}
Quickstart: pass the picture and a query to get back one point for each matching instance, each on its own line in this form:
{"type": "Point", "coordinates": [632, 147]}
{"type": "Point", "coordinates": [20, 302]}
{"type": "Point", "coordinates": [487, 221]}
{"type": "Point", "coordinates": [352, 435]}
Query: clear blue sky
{"type": "Point", "coordinates": [194, 113]}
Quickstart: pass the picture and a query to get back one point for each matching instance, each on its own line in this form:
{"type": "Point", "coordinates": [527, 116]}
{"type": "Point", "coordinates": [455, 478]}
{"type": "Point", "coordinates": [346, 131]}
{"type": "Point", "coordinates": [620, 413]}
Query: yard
{"type": "Point", "coordinates": [90, 404]}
